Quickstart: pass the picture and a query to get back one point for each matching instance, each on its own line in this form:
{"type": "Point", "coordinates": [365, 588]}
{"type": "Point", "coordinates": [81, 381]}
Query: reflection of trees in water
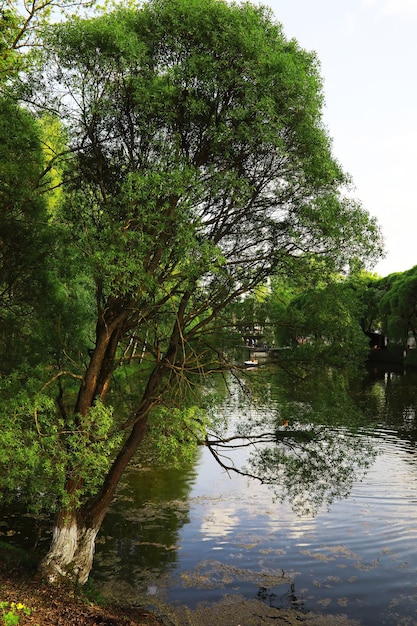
{"type": "Point", "coordinates": [392, 395]}
{"type": "Point", "coordinates": [299, 437]}
{"type": "Point", "coordinates": [140, 533]}
{"type": "Point", "coordinates": [303, 437]}
{"type": "Point", "coordinates": [309, 465]}
{"type": "Point", "coordinates": [287, 600]}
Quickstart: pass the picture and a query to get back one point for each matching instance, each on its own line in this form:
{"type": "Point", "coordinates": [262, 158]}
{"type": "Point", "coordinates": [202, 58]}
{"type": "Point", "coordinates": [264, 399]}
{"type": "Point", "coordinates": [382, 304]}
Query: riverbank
{"type": "Point", "coordinates": [52, 607]}
{"type": "Point", "coordinates": [39, 605]}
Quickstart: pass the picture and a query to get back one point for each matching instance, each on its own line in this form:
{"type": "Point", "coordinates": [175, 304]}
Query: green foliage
{"type": "Point", "coordinates": [327, 321]}
{"type": "Point", "coordinates": [26, 245]}
{"type": "Point", "coordinates": [46, 299]}
{"type": "Point", "coordinates": [32, 461]}
{"type": "Point", "coordinates": [21, 161]}
{"type": "Point", "coordinates": [175, 434]}
{"type": "Point", "coordinates": [40, 450]}
{"type": "Point", "coordinates": [21, 27]}
{"type": "Point", "coordinates": [54, 147]}
{"type": "Point", "coordinates": [12, 612]}
{"type": "Point", "coordinates": [90, 445]}
{"type": "Point", "coordinates": [322, 320]}
{"type": "Point", "coordinates": [190, 95]}
{"type": "Point", "coordinates": [390, 304]}
{"type": "Point", "coordinates": [193, 166]}
{"type": "Point", "coordinates": [9, 28]}
{"type": "Point", "coordinates": [399, 303]}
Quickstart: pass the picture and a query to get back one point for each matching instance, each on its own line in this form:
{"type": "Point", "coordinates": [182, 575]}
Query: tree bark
{"type": "Point", "coordinates": [70, 556]}
{"type": "Point", "coordinates": [109, 330]}
{"type": "Point", "coordinates": [71, 553]}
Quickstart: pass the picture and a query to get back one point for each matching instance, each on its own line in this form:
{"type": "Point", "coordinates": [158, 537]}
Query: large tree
{"type": "Point", "coordinates": [30, 179]}
{"type": "Point", "coordinates": [200, 167]}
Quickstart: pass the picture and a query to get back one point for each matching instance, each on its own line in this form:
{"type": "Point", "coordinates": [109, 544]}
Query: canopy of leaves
{"type": "Point", "coordinates": [24, 240]}
{"type": "Point", "coordinates": [40, 452]}
{"type": "Point", "coordinates": [200, 149]}
{"type": "Point", "coordinates": [327, 321]}
{"type": "Point", "coordinates": [199, 167]}
{"type": "Point", "coordinates": [21, 26]}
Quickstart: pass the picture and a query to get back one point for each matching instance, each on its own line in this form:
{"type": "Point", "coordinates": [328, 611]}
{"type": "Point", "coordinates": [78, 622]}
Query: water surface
{"type": "Point", "coordinates": [184, 536]}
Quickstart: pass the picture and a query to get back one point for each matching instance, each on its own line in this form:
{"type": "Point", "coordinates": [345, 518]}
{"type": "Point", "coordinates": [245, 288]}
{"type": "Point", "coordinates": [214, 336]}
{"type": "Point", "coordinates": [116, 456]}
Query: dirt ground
{"type": "Point", "coordinates": [57, 607]}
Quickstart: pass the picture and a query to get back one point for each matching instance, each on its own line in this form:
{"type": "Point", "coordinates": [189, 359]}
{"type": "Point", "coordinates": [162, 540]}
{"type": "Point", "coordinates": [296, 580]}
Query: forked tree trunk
{"type": "Point", "coordinates": [71, 553]}
{"type": "Point", "coordinates": [70, 556]}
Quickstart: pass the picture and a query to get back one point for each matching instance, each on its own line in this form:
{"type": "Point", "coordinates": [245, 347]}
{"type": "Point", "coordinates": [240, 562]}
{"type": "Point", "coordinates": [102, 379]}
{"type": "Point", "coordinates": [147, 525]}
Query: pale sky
{"type": "Point", "coordinates": [368, 55]}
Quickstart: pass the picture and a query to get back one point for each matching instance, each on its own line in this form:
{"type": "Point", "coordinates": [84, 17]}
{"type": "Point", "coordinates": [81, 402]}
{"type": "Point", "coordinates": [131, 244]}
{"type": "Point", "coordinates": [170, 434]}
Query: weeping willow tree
{"type": "Point", "coordinates": [199, 167]}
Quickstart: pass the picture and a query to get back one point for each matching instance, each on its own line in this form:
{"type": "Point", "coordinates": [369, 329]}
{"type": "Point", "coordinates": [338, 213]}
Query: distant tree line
{"type": "Point", "coordinates": [342, 318]}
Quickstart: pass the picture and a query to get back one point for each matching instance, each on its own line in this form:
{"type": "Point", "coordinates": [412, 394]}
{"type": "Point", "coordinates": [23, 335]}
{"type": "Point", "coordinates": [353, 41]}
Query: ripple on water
{"type": "Point", "coordinates": [357, 558]}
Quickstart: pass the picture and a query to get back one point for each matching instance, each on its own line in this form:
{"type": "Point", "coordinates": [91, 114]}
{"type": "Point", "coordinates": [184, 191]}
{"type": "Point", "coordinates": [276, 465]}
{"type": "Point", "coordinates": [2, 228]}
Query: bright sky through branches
{"type": "Point", "coordinates": [368, 52]}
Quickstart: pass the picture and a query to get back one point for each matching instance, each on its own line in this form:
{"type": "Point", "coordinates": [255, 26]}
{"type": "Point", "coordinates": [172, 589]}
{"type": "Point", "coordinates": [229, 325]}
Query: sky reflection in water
{"type": "Point", "coordinates": [194, 535]}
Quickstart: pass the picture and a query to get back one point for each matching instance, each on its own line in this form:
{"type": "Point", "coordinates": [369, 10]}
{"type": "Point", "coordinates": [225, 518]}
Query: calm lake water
{"type": "Point", "coordinates": [344, 544]}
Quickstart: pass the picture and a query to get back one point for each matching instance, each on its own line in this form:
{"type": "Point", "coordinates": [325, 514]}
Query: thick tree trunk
{"type": "Point", "coordinates": [70, 556]}
{"type": "Point", "coordinates": [71, 553]}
